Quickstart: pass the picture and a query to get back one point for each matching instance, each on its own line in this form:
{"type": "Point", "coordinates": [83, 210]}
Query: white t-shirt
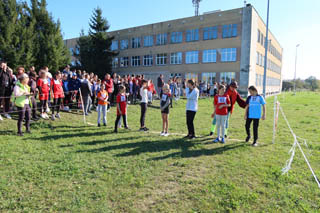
{"type": "Point", "coordinates": [144, 95]}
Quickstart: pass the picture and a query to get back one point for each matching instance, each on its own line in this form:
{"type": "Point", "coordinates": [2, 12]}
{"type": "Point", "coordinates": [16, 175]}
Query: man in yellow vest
{"type": "Point", "coordinates": [22, 100]}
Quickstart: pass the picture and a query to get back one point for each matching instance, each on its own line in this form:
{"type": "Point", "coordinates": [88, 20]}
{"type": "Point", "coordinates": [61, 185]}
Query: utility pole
{"type": "Point", "coordinates": [295, 70]}
{"type": "Point", "coordinates": [196, 4]}
{"type": "Point", "coordinates": [266, 54]}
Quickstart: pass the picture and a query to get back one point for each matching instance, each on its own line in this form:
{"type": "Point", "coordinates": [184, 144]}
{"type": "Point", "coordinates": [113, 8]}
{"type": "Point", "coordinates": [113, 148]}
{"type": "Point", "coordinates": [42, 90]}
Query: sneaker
{"type": "Point", "coordinates": [211, 133]}
{"type": "Point", "coordinates": [127, 128]}
{"type": "Point", "coordinates": [141, 129]}
{"type": "Point", "coordinates": [53, 118]}
{"type": "Point", "coordinates": [162, 134]}
{"type": "Point", "coordinates": [192, 137]}
{"type": "Point", "coordinates": [217, 140]}
{"type": "Point", "coordinates": [20, 134]}
{"type": "Point", "coordinates": [48, 110]}
{"type": "Point", "coordinates": [46, 116]}
{"type": "Point", "coordinates": [166, 134]}
{"type": "Point", "coordinates": [225, 136]}
{"type": "Point", "coordinates": [35, 118]}
{"type": "Point", "coordinates": [58, 116]}
{"type": "Point", "coordinates": [99, 125]}
{"type": "Point", "coordinates": [248, 139]}
{"type": "Point", "coordinates": [66, 108]}
{"type": "Point", "coordinates": [145, 129]}
{"type": "Point", "coordinates": [115, 131]}
{"type": "Point", "coordinates": [255, 144]}
{"type": "Point", "coordinates": [104, 124]}
{"type": "Point", "coordinates": [7, 116]}
{"type": "Point", "coordinates": [1, 119]}
{"type": "Point", "coordinates": [43, 116]}
{"type": "Point", "coordinates": [186, 137]}
{"type": "Point", "coordinates": [223, 141]}
{"type": "Point", "coordinates": [28, 132]}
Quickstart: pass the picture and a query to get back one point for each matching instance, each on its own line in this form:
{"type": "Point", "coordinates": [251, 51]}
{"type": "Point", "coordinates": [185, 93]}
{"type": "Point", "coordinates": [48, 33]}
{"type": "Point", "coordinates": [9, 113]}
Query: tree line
{"type": "Point", "coordinates": [29, 36]}
{"type": "Point", "coordinates": [311, 83]}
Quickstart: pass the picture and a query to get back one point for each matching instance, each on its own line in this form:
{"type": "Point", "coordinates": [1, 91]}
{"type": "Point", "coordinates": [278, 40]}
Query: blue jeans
{"type": "Point", "coordinates": [214, 122]}
{"type": "Point", "coordinates": [102, 109]}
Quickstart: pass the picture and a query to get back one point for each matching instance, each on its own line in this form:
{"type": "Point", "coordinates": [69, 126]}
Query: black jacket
{"type": "Point", "coordinates": [86, 89]}
{"type": "Point", "coordinates": [6, 81]}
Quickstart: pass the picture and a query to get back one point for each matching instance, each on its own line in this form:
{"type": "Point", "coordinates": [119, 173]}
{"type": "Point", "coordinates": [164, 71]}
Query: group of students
{"type": "Point", "coordinates": [24, 88]}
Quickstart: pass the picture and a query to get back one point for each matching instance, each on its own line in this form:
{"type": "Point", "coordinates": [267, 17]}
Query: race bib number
{"type": "Point", "coordinates": [222, 100]}
{"type": "Point", "coordinates": [164, 97]}
{"type": "Point", "coordinates": [123, 98]}
{"type": "Point", "coordinates": [56, 81]}
{"type": "Point", "coordinates": [103, 95]}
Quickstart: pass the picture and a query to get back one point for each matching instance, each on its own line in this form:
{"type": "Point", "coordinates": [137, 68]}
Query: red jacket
{"type": "Point", "coordinates": [234, 97]}
{"type": "Point", "coordinates": [109, 85]}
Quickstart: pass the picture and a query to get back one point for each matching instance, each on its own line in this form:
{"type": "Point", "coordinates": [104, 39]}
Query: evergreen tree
{"type": "Point", "coordinates": [94, 49]}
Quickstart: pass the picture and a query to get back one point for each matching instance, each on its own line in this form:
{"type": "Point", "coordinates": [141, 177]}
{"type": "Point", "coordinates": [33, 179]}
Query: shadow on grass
{"type": "Point", "coordinates": [7, 132]}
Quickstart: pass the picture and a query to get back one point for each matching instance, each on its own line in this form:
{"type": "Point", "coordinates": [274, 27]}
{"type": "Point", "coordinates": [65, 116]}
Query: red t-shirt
{"type": "Point", "coordinates": [57, 89]}
{"type": "Point", "coordinates": [221, 100]}
{"type": "Point", "coordinates": [233, 97]}
{"type": "Point", "coordinates": [44, 84]}
{"type": "Point", "coordinates": [122, 100]}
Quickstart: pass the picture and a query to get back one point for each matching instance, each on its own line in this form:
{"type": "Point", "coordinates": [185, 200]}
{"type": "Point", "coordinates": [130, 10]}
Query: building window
{"type": "Point", "coordinates": [124, 62]}
{"type": "Point", "coordinates": [209, 56]}
{"type": "Point", "coordinates": [192, 57]}
{"type": "Point", "coordinates": [147, 60]}
{"type": "Point", "coordinates": [228, 54]}
{"type": "Point", "coordinates": [71, 50]}
{"type": "Point", "coordinates": [176, 58]}
{"type": "Point", "coordinates": [136, 42]}
{"type": "Point", "coordinates": [124, 44]}
{"type": "Point", "coordinates": [210, 33]}
{"type": "Point", "coordinates": [230, 30]}
{"type": "Point", "coordinates": [227, 77]}
{"type": "Point", "coordinates": [258, 36]}
{"type": "Point", "coordinates": [176, 37]}
{"type": "Point", "coordinates": [258, 58]}
{"type": "Point", "coordinates": [261, 39]}
{"type": "Point", "coordinates": [162, 39]}
{"type": "Point", "coordinates": [115, 62]}
{"type": "Point", "coordinates": [192, 35]}
{"type": "Point", "coordinates": [114, 45]}
{"type": "Point", "coordinates": [148, 41]}
{"type": "Point", "coordinates": [161, 59]}
{"type": "Point", "coordinates": [135, 61]}
{"type": "Point", "coordinates": [191, 76]}
{"type": "Point", "coordinates": [209, 77]}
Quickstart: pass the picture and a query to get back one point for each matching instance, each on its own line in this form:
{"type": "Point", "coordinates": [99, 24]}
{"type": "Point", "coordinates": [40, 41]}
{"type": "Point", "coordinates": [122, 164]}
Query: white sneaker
{"type": "Point", "coordinates": [43, 116]}
{"type": "Point", "coordinates": [7, 116]}
{"type": "Point", "coordinates": [1, 119]}
{"type": "Point", "coordinates": [48, 110]}
{"type": "Point", "coordinates": [162, 134]}
{"type": "Point", "coordinates": [53, 118]}
{"type": "Point", "coordinates": [58, 116]}
{"type": "Point", "coordinates": [166, 134]}
{"type": "Point", "coordinates": [46, 116]}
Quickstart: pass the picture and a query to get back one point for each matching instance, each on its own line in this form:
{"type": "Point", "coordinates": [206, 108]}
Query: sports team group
{"type": "Point", "coordinates": [26, 92]}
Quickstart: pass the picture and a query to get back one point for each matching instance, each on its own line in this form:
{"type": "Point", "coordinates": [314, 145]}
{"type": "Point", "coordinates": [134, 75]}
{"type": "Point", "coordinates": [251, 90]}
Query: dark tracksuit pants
{"type": "Point", "coordinates": [34, 106]}
{"type": "Point", "coordinates": [56, 105]}
{"type": "Point", "coordinates": [5, 97]}
{"type": "Point", "coordinates": [144, 107]}
{"type": "Point", "coordinates": [124, 117]}
{"type": "Point", "coordinates": [24, 113]}
{"type": "Point", "coordinates": [255, 128]}
{"type": "Point", "coordinates": [190, 118]}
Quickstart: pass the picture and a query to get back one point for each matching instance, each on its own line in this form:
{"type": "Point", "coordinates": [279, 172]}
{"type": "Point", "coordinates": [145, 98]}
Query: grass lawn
{"type": "Point", "coordinates": [65, 166]}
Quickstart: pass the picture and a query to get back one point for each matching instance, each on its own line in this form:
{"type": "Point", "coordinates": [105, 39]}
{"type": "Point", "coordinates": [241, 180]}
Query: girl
{"type": "Point", "coordinates": [43, 87]}
{"type": "Point", "coordinates": [253, 113]}
{"type": "Point", "coordinates": [121, 108]}
{"type": "Point", "coordinates": [164, 106]}
{"type": "Point", "coordinates": [102, 105]}
{"type": "Point", "coordinates": [23, 102]}
{"type": "Point", "coordinates": [58, 95]}
{"type": "Point", "coordinates": [221, 104]}
{"type": "Point", "coordinates": [143, 104]}
{"type": "Point", "coordinates": [192, 94]}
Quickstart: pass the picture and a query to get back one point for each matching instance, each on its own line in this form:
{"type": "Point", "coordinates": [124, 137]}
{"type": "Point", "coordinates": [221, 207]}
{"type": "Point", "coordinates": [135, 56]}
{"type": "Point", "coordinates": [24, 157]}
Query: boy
{"type": "Point", "coordinates": [121, 108]}
{"type": "Point", "coordinates": [221, 104]}
{"type": "Point", "coordinates": [143, 104]}
{"type": "Point", "coordinates": [253, 113]}
{"type": "Point", "coordinates": [43, 87]}
{"type": "Point", "coordinates": [58, 95]}
{"type": "Point", "coordinates": [164, 106]}
{"type": "Point", "coordinates": [102, 105]}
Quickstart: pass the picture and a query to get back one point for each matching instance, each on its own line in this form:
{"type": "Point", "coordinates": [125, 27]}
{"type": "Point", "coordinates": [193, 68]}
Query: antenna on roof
{"type": "Point", "coordinates": [196, 4]}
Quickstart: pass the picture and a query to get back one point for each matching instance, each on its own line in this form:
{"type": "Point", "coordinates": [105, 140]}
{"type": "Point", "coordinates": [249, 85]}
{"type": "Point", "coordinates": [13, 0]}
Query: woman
{"type": "Point", "coordinates": [23, 102]}
{"type": "Point", "coordinates": [192, 94]}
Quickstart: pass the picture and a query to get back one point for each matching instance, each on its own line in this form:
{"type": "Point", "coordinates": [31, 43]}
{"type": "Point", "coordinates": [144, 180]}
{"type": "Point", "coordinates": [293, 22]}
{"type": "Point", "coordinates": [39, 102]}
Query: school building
{"type": "Point", "coordinates": [214, 47]}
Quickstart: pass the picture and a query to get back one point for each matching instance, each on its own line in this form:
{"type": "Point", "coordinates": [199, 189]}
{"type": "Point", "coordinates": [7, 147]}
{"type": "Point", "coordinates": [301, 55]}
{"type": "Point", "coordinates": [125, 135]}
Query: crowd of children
{"type": "Point", "coordinates": [70, 89]}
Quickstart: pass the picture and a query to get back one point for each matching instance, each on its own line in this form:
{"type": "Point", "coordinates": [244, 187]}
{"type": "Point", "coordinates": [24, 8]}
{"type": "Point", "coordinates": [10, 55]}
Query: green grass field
{"type": "Point", "coordinates": [65, 166]}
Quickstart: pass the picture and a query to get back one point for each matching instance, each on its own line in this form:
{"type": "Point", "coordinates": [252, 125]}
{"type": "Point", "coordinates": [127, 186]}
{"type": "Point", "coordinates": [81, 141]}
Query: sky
{"type": "Point", "coordinates": [291, 21]}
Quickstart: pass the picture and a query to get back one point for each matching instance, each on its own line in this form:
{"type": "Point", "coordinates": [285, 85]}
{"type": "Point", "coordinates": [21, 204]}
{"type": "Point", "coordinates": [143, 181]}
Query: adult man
{"type": "Point", "coordinates": [234, 97]}
{"type": "Point", "coordinates": [6, 83]}
{"type": "Point", "coordinates": [86, 93]}
{"type": "Point", "coordinates": [160, 84]}
{"type": "Point", "coordinates": [74, 84]}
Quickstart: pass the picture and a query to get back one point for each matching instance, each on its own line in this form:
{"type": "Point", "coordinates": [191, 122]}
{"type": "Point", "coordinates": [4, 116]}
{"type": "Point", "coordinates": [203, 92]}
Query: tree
{"type": "Point", "coordinates": [49, 46]}
{"type": "Point", "coordinates": [93, 50]}
{"type": "Point", "coordinates": [312, 83]}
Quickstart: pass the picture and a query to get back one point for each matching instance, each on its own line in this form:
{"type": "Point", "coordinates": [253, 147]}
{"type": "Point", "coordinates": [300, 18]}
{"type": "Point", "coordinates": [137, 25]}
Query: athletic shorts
{"type": "Point", "coordinates": [44, 96]}
{"type": "Point", "coordinates": [56, 96]}
{"type": "Point", "coordinates": [165, 111]}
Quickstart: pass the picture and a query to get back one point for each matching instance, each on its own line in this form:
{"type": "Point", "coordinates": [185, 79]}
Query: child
{"type": "Point", "coordinates": [164, 106]}
{"type": "Point", "coordinates": [58, 95]}
{"type": "Point", "coordinates": [43, 87]}
{"type": "Point", "coordinates": [221, 104]}
{"type": "Point", "coordinates": [102, 105]}
{"type": "Point", "coordinates": [121, 108]}
{"type": "Point", "coordinates": [143, 104]}
{"type": "Point", "coordinates": [253, 113]}
{"type": "Point", "coordinates": [192, 94]}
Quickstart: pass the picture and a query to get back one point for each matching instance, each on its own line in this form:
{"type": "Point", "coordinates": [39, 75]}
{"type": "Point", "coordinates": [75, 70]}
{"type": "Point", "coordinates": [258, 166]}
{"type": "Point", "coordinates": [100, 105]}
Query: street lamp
{"type": "Point", "coordinates": [266, 53]}
{"type": "Point", "coordinates": [295, 70]}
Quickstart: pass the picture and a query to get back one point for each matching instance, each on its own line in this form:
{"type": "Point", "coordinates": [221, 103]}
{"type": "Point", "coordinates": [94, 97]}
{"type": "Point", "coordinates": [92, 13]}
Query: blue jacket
{"type": "Point", "coordinates": [65, 86]}
{"type": "Point", "coordinates": [74, 84]}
